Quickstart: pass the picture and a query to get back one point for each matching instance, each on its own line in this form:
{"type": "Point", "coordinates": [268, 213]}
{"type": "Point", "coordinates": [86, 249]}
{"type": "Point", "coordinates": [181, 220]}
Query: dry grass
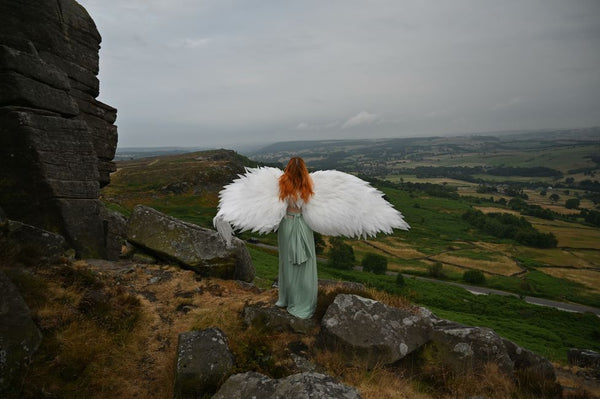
{"type": "Point", "coordinates": [128, 349]}
{"type": "Point", "coordinates": [374, 383]}
{"type": "Point", "coordinates": [588, 256]}
{"type": "Point", "coordinates": [494, 247]}
{"type": "Point", "coordinates": [570, 234]}
{"type": "Point", "coordinates": [110, 332]}
{"type": "Point", "coordinates": [395, 247]}
{"type": "Point", "coordinates": [503, 265]}
{"type": "Point", "coordinates": [490, 383]}
{"type": "Point", "coordinates": [589, 278]}
{"type": "Point", "coordinates": [492, 209]}
{"type": "Point", "coordinates": [90, 329]}
{"type": "Point", "coordinates": [390, 300]}
{"type": "Point", "coordinates": [579, 386]}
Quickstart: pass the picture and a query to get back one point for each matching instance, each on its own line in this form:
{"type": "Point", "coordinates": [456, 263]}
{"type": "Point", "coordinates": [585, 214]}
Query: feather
{"type": "Point", "coordinates": [224, 229]}
{"type": "Point", "coordinates": [251, 202]}
{"type": "Point", "coordinates": [342, 204]}
{"type": "Point", "coordinates": [345, 205]}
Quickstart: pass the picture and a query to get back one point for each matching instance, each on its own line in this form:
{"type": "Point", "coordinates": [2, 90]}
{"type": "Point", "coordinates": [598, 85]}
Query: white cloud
{"type": "Point", "coordinates": [512, 102]}
{"type": "Point", "coordinates": [361, 118]}
{"type": "Point", "coordinates": [189, 42]}
{"type": "Point", "coordinates": [317, 126]}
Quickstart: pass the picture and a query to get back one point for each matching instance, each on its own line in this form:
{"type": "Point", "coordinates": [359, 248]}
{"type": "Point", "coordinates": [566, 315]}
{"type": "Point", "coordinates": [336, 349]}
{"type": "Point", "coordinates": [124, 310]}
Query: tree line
{"type": "Point", "coordinates": [505, 225]}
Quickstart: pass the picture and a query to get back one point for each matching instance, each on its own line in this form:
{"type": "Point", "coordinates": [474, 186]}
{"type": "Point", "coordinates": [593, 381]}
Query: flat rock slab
{"type": "Point", "coordinates": [194, 247]}
{"type": "Point", "coordinates": [298, 386]}
{"type": "Point", "coordinates": [273, 318]}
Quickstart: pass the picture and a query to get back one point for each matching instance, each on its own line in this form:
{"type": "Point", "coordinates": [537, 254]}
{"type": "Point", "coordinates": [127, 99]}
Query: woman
{"type": "Point", "coordinates": [297, 257]}
{"type": "Point", "coordinates": [297, 203]}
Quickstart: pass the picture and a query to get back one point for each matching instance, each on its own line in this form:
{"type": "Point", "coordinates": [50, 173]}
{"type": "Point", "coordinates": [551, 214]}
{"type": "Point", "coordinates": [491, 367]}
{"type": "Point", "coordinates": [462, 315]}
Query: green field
{"type": "Point", "coordinates": [561, 158]}
{"type": "Point", "coordinates": [438, 235]}
{"type": "Point", "coordinates": [546, 331]}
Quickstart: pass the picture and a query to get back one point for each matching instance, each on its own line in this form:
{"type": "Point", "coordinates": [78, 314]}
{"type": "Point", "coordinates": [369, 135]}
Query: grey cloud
{"type": "Point", "coordinates": [222, 72]}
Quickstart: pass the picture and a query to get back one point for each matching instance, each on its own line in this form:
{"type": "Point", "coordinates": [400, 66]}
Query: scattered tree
{"type": "Point", "coordinates": [374, 263]}
{"type": "Point", "coordinates": [341, 255]}
{"type": "Point", "coordinates": [474, 277]}
{"type": "Point", "coordinates": [572, 203]}
{"type": "Point", "coordinates": [400, 280]}
{"type": "Point", "coordinates": [505, 225]}
{"type": "Point", "coordinates": [436, 270]}
{"type": "Point", "coordinates": [590, 216]}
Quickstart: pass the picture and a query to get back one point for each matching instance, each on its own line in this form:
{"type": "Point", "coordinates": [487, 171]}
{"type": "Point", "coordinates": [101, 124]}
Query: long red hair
{"type": "Point", "coordinates": [295, 181]}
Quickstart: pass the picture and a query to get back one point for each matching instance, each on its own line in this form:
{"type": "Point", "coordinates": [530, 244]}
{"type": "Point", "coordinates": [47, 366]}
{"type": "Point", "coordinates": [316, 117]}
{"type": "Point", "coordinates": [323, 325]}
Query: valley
{"type": "Point", "coordinates": [434, 182]}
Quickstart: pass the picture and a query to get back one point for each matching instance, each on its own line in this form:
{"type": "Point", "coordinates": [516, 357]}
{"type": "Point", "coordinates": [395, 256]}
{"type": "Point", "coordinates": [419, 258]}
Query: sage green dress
{"type": "Point", "coordinates": [298, 283]}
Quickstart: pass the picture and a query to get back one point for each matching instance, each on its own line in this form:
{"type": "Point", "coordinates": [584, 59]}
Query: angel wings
{"type": "Point", "coordinates": [342, 205]}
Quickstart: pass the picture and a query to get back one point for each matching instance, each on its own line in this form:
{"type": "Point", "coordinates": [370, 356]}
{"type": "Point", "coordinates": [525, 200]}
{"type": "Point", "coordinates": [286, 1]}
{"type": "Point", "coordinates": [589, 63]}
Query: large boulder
{"type": "Point", "coordinates": [374, 331]}
{"type": "Point", "coordinates": [533, 371]}
{"type": "Point", "coordinates": [273, 318]}
{"type": "Point", "coordinates": [19, 338]}
{"type": "Point", "coordinates": [203, 363]}
{"type": "Point", "coordinates": [22, 241]}
{"type": "Point", "coordinates": [462, 348]}
{"type": "Point", "coordinates": [194, 247]}
{"type": "Point", "coordinates": [297, 386]}
{"type": "Point", "coordinates": [57, 141]}
{"type": "Point", "coordinates": [527, 362]}
{"type": "Point", "coordinates": [584, 358]}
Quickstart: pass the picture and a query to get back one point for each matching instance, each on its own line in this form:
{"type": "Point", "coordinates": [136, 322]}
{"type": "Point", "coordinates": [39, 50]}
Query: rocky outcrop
{"type": "Point", "coordinates": [382, 334]}
{"type": "Point", "coordinates": [57, 141]}
{"type": "Point", "coordinates": [19, 240]}
{"type": "Point", "coordinates": [194, 247]}
{"type": "Point", "coordinates": [276, 319]}
{"type": "Point", "coordinates": [461, 348]}
{"type": "Point", "coordinates": [529, 363]}
{"type": "Point", "coordinates": [115, 232]}
{"type": "Point", "coordinates": [19, 338]}
{"type": "Point", "coordinates": [297, 386]}
{"type": "Point", "coordinates": [584, 358]}
{"type": "Point", "coordinates": [203, 363]}
{"type": "Point", "coordinates": [374, 331]}
{"type": "Point", "coordinates": [533, 371]}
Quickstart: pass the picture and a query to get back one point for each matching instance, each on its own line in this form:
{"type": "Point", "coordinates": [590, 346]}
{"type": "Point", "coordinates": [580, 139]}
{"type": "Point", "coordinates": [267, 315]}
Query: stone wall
{"type": "Point", "coordinates": [57, 141]}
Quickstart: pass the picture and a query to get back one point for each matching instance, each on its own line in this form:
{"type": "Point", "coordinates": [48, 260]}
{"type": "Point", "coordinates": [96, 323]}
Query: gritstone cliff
{"type": "Point", "coordinates": [57, 141]}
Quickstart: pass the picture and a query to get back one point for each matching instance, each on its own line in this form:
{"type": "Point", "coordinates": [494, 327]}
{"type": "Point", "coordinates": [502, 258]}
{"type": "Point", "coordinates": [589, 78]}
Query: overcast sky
{"type": "Point", "coordinates": [229, 72]}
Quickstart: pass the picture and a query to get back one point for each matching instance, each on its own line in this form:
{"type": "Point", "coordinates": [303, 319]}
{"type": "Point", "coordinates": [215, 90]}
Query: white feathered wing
{"type": "Point", "coordinates": [342, 204]}
{"type": "Point", "coordinates": [345, 205]}
{"type": "Point", "coordinates": [250, 202]}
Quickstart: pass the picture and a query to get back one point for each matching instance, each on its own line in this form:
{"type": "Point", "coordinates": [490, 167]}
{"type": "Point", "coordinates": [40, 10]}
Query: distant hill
{"type": "Point", "coordinates": [184, 185]}
{"type": "Point", "coordinates": [130, 153]}
{"type": "Point", "coordinates": [384, 154]}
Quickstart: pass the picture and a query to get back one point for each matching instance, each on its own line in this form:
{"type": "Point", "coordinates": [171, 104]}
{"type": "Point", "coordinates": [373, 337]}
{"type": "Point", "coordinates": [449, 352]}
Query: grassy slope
{"type": "Point", "coordinates": [436, 229]}
{"type": "Point", "coordinates": [546, 331]}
